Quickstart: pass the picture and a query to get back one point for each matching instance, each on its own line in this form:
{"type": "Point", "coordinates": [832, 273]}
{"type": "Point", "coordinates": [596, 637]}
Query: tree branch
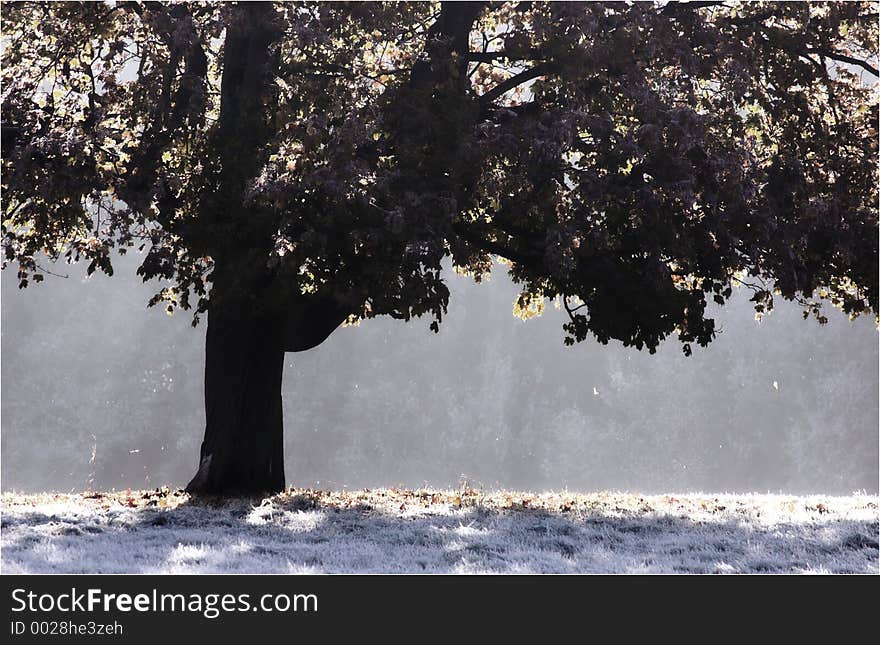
{"type": "Point", "coordinates": [844, 59]}
{"type": "Point", "coordinates": [514, 81]}
{"type": "Point", "coordinates": [674, 7]}
{"type": "Point", "coordinates": [488, 57]}
{"type": "Point", "coordinates": [490, 246]}
{"type": "Point", "coordinates": [454, 23]}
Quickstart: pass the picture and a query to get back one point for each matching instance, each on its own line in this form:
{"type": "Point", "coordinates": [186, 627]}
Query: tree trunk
{"type": "Point", "coordinates": [243, 448]}
{"type": "Point", "coordinates": [243, 451]}
{"type": "Point", "coordinates": [252, 319]}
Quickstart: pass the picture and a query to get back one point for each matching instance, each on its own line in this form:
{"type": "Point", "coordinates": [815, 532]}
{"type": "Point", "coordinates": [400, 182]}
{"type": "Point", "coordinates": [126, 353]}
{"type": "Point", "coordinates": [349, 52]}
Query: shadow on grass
{"type": "Point", "coordinates": [304, 534]}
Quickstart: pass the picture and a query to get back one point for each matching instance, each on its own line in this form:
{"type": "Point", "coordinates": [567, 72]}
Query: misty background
{"type": "Point", "coordinates": [100, 392]}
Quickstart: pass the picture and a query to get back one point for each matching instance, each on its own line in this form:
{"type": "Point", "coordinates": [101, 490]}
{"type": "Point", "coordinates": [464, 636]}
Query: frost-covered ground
{"type": "Point", "coordinates": [403, 531]}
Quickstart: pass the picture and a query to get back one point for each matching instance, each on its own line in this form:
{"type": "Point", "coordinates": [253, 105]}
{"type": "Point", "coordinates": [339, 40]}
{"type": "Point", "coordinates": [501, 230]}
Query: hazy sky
{"type": "Point", "coordinates": [98, 391]}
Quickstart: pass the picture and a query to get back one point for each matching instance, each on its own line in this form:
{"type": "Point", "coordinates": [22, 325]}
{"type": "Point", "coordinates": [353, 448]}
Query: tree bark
{"type": "Point", "coordinates": [250, 327]}
{"type": "Point", "coordinates": [243, 451]}
{"type": "Point", "coordinates": [252, 321]}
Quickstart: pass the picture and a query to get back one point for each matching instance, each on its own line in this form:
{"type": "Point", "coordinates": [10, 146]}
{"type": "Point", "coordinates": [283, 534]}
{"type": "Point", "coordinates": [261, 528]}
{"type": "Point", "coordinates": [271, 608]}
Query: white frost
{"type": "Point", "coordinates": [392, 532]}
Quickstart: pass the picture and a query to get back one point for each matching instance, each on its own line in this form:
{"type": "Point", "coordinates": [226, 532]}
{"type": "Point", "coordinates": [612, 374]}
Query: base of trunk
{"type": "Point", "coordinates": [243, 451]}
{"type": "Point", "coordinates": [261, 479]}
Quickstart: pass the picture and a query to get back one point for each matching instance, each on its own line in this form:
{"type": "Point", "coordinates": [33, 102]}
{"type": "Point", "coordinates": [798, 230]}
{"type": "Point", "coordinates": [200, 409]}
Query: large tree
{"type": "Point", "coordinates": [289, 167]}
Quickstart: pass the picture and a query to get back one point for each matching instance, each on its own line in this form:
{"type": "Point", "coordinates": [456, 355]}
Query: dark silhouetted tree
{"type": "Point", "coordinates": [287, 167]}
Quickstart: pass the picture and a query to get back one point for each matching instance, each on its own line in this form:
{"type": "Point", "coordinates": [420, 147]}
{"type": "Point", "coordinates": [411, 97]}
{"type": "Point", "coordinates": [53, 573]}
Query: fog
{"type": "Point", "coordinates": [100, 392]}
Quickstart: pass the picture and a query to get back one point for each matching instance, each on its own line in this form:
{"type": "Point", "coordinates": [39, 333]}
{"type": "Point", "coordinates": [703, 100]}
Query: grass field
{"type": "Point", "coordinates": [425, 531]}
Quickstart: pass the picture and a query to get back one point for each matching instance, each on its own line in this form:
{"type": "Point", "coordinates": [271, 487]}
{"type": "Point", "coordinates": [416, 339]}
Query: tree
{"type": "Point", "coordinates": [289, 167]}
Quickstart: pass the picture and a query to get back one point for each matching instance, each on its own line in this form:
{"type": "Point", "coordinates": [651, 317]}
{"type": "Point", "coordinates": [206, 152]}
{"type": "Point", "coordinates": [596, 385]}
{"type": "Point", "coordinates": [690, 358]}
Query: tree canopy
{"type": "Point", "coordinates": [632, 161]}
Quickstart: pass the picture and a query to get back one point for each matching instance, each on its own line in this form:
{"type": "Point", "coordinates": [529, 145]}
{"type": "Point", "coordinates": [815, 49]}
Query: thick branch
{"type": "Point", "coordinates": [491, 246]}
{"type": "Point", "coordinates": [827, 53]}
{"type": "Point", "coordinates": [453, 24]}
{"type": "Point", "coordinates": [515, 81]}
{"type": "Point", "coordinates": [310, 320]}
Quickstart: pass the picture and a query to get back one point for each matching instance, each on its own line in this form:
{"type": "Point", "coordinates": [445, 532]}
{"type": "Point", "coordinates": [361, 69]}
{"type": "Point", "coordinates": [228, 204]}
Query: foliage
{"type": "Point", "coordinates": [632, 160]}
